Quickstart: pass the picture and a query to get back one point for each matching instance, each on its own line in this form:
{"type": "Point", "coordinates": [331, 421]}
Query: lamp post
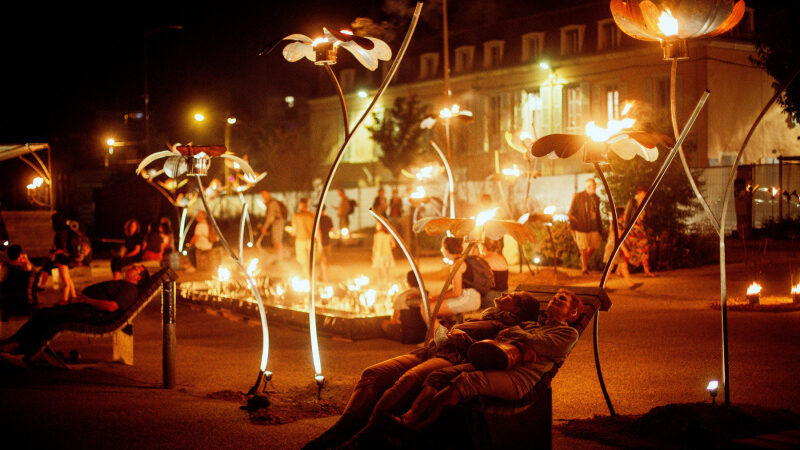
{"type": "Point", "coordinates": [147, 34]}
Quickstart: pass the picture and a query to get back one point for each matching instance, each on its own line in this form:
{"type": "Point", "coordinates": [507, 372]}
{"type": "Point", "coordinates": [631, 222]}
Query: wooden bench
{"type": "Point", "coordinates": [488, 422]}
{"type": "Point", "coordinates": [121, 330]}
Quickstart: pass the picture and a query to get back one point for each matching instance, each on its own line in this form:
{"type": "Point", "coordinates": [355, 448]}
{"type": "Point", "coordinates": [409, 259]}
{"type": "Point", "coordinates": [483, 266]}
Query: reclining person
{"type": "Point", "coordinates": [99, 304]}
{"type": "Point", "coordinates": [388, 388]}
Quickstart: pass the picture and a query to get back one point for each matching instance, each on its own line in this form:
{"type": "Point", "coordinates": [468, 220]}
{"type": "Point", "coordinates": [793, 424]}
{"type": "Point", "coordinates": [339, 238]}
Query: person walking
{"type": "Point", "coordinates": [585, 223]}
{"type": "Point", "coordinates": [302, 224]}
{"type": "Point", "coordinates": [274, 221]}
{"type": "Point", "coordinates": [344, 210]}
{"type": "Point", "coordinates": [637, 243]}
{"type": "Point", "coordinates": [382, 257]}
{"type": "Point", "coordinates": [380, 205]}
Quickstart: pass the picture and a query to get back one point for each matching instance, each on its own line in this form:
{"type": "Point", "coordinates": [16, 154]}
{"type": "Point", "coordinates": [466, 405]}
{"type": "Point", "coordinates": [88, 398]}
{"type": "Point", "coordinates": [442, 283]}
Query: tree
{"type": "Point", "coordinates": [397, 133]}
{"type": "Point", "coordinates": [778, 42]}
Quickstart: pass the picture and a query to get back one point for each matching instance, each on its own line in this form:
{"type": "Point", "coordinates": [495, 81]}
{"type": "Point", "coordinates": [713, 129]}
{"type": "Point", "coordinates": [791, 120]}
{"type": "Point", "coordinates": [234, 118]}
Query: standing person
{"type": "Point", "coordinates": [274, 221]}
{"type": "Point", "coordinates": [60, 258]}
{"type": "Point", "coordinates": [302, 224]}
{"type": "Point", "coordinates": [585, 223]}
{"type": "Point", "coordinates": [492, 253]}
{"type": "Point", "coordinates": [132, 250]}
{"type": "Point", "coordinates": [344, 210]}
{"type": "Point", "coordinates": [202, 239]}
{"type": "Point", "coordinates": [325, 227]}
{"type": "Point", "coordinates": [382, 257]}
{"type": "Point", "coordinates": [380, 205]}
{"type": "Point", "coordinates": [165, 230]}
{"type": "Point", "coordinates": [637, 243]}
{"type": "Point", "coordinates": [395, 208]}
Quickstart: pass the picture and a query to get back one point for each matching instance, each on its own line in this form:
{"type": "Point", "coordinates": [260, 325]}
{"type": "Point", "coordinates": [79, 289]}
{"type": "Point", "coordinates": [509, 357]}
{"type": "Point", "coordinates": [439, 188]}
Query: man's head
{"type": "Point", "coordinates": [303, 204]}
{"type": "Point", "coordinates": [411, 279]}
{"type": "Point", "coordinates": [564, 306]}
{"type": "Point", "coordinates": [201, 216]}
{"type": "Point", "coordinates": [14, 251]}
{"type": "Point", "coordinates": [380, 192]}
{"type": "Point", "coordinates": [136, 274]}
{"type": "Point", "coordinates": [521, 303]}
{"type": "Point", "coordinates": [591, 186]}
{"type": "Point", "coordinates": [265, 195]}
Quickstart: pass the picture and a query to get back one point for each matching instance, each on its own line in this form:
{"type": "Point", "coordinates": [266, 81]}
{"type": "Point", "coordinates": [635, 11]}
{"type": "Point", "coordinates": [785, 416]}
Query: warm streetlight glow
{"type": "Point", "coordinates": [231, 120]}
{"type": "Point", "coordinates": [485, 216]}
{"type": "Point", "coordinates": [110, 141]}
{"type": "Point", "coordinates": [544, 65]}
{"type": "Point", "coordinates": [512, 172]}
{"type": "Point", "coordinates": [668, 24]}
{"type": "Point", "coordinates": [362, 94]}
{"type": "Point", "coordinates": [199, 117]}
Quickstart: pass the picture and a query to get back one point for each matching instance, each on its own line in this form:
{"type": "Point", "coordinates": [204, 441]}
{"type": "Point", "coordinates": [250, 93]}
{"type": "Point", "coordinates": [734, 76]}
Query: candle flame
{"type": "Point", "coordinates": [485, 216]}
{"type": "Point", "coordinates": [600, 134]}
{"type": "Point", "coordinates": [299, 285]}
{"type": "Point", "coordinates": [626, 109]}
{"type": "Point", "coordinates": [668, 24]}
{"type": "Point", "coordinates": [550, 209]}
{"type": "Point", "coordinates": [796, 289]}
{"type": "Point", "coordinates": [223, 274]}
{"type": "Point", "coordinates": [754, 289]}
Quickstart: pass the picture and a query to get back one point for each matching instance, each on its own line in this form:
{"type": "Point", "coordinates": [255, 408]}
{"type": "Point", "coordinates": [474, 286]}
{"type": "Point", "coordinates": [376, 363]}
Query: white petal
{"type": "Point", "coordinates": [649, 154]}
{"type": "Point", "coordinates": [298, 37]}
{"type": "Point", "coordinates": [297, 51]}
{"type": "Point", "coordinates": [152, 157]}
{"type": "Point", "coordinates": [381, 50]}
{"type": "Point", "coordinates": [625, 148]}
{"type": "Point", "coordinates": [427, 123]}
{"type": "Point", "coordinates": [246, 169]}
{"type": "Point", "coordinates": [365, 57]}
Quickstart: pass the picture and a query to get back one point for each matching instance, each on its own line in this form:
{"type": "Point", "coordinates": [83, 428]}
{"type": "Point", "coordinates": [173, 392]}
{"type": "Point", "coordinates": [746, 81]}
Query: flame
{"type": "Point", "coordinates": [754, 289]}
{"type": "Point", "coordinates": [599, 134]}
{"type": "Point", "coordinates": [446, 113]}
{"type": "Point", "coordinates": [368, 298]}
{"type": "Point", "coordinates": [512, 172]}
{"type": "Point", "coordinates": [425, 172]}
{"type": "Point", "coordinates": [319, 40]}
{"type": "Point", "coordinates": [279, 290]}
{"type": "Point", "coordinates": [252, 267]}
{"type": "Point", "coordinates": [223, 274]}
{"type": "Point", "coordinates": [796, 289]}
{"type": "Point", "coordinates": [454, 109]}
{"type": "Point", "coordinates": [524, 218]}
{"type": "Point", "coordinates": [485, 216]}
{"type": "Point", "coordinates": [362, 280]}
{"type": "Point", "coordinates": [299, 285]}
{"type": "Point", "coordinates": [774, 191]}
{"type": "Point", "coordinates": [327, 292]}
{"type": "Point", "coordinates": [394, 289]}
{"type": "Point", "coordinates": [550, 209]}
{"type": "Point", "coordinates": [419, 193]}
{"type": "Point", "coordinates": [626, 109]}
{"type": "Point", "coordinates": [347, 32]}
{"type": "Point", "coordinates": [668, 24]}
{"type": "Point", "coordinates": [713, 385]}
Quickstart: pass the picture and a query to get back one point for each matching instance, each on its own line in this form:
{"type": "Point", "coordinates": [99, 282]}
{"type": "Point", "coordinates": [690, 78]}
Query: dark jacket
{"type": "Point", "coordinates": [584, 213]}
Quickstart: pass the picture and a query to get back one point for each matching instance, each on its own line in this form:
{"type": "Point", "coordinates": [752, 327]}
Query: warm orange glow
{"type": "Point", "coordinates": [512, 172]}
{"type": "Point", "coordinates": [668, 24]}
{"type": "Point", "coordinates": [796, 289]}
{"type": "Point", "coordinates": [299, 285]}
{"type": "Point", "coordinates": [600, 134]}
{"type": "Point", "coordinates": [223, 274]}
{"type": "Point", "coordinates": [368, 298]}
{"type": "Point", "coordinates": [419, 193]}
{"type": "Point", "coordinates": [550, 209]}
{"type": "Point", "coordinates": [199, 117]}
{"type": "Point", "coordinates": [485, 216]}
{"type": "Point", "coordinates": [754, 289]}
{"type": "Point", "coordinates": [626, 109]}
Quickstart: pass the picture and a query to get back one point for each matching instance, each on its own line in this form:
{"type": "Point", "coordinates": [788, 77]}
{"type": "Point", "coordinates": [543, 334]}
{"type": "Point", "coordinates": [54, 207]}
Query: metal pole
{"type": "Point", "coordinates": [168, 298]}
{"type": "Point", "coordinates": [146, 99]}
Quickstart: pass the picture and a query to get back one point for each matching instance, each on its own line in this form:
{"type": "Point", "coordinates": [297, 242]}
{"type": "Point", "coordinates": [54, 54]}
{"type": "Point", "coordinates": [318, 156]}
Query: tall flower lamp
{"type": "Point", "coordinates": [323, 52]}
{"type": "Point", "coordinates": [195, 161]}
{"type": "Point", "coordinates": [626, 144]}
{"type": "Point", "coordinates": [474, 229]}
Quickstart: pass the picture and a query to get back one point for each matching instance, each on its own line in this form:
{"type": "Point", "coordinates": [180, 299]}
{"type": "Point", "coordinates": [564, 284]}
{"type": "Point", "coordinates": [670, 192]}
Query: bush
{"type": "Point", "coordinates": [567, 251]}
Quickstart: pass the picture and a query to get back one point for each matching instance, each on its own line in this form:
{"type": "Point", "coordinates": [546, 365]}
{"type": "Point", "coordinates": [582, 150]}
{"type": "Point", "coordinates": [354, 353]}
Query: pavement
{"type": "Point", "coordinates": [659, 344]}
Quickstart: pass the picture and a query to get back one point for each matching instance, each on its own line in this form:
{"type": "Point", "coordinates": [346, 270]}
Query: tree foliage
{"type": "Point", "coordinates": [397, 133]}
{"type": "Point", "coordinates": [778, 41]}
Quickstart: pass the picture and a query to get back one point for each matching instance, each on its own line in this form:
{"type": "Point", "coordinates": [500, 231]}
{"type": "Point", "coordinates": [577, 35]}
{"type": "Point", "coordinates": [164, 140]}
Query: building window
{"type": "Point", "coordinates": [532, 44]}
{"type": "Point", "coordinates": [608, 35]}
{"type": "Point", "coordinates": [746, 27]}
{"type": "Point", "coordinates": [428, 65]}
{"type": "Point", "coordinates": [493, 53]}
{"type": "Point", "coordinates": [464, 57]}
{"type": "Point", "coordinates": [612, 102]}
{"type": "Point", "coordinates": [573, 106]}
{"type": "Point", "coordinates": [572, 39]}
{"type": "Point", "coordinates": [346, 79]}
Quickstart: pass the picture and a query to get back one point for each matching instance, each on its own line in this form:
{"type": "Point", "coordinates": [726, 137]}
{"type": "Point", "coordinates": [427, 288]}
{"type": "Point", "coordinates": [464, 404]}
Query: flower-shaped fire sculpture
{"type": "Point", "coordinates": [474, 229]}
{"type": "Point", "coordinates": [196, 160]}
{"type": "Point", "coordinates": [368, 51]}
{"type": "Point", "coordinates": [322, 50]}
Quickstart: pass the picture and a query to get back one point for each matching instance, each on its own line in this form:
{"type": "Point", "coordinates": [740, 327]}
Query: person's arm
{"type": "Point", "coordinates": [104, 305]}
{"type": "Point", "coordinates": [136, 249]}
{"type": "Point", "coordinates": [573, 218]}
{"type": "Point", "coordinates": [552, 343]}
{"type": "Point", "coordinates": [456, 287]}
{"type": "Point", "coordinates": [26, 263]}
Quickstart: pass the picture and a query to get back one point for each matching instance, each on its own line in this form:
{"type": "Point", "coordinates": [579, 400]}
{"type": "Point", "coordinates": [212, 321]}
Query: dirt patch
{"type": "Point", "coordinates": [228, 396]}
{"type": "Point", "coordinates": [302, 403]}
{"type": "Point", "coordinates": [697, 425]}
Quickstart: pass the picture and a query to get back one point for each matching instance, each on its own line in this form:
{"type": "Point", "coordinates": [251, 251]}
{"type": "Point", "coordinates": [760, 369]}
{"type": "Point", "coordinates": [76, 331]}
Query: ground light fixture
{"type": "Point", "coordinates": [754, 293]}
{"type": "Point", "coordinates": [712, 388]}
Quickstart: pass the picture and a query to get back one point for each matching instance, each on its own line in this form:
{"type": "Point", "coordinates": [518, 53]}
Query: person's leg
{"type": "Point", "coordinates": [401, 394]}
{"type": "Point", "coordinates": [69, 287]}
{"type": "Point", "coordinates": [646, 265]}
{"type": "Point", "coordinates": [375, 380]}
{"type": "Point", "coordinates": [435, 382]}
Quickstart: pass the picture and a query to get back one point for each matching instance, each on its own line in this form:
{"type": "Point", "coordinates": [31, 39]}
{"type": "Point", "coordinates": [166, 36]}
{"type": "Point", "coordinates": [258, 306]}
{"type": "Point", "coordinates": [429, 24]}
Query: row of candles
{"type": "Point", "coordinates": [754, 294]}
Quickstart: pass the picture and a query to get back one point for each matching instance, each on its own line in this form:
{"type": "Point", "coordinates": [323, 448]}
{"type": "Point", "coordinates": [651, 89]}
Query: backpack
{"type": "Point", "coordinates": [478, 275]}
{"type": "Point", "coordinates": [284, 209]}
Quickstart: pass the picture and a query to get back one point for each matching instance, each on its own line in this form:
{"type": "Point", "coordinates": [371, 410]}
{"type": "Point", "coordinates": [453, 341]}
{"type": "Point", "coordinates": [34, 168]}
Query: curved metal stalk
{"type": "Point", "coordinates": [251, 283]}
{"type": "Point", "coordinates": [414, 267]}
{"type": "Point", "coordinates": [184, 228]}
{"type": "Point", "coordinates": [249, 223]}
{"type": "Point", "coordinates": [606, 270]}
{"type": "Point", "coordinates": [673, 76]}
{"type": "Point", "coordinates": [450, 182]}
{"type": "Point", "coordinates": [342, 103]}
{"type": "Point", "coordinates": [242, 222]}
{"type": "Point", "coordinates": [456, 264]}
{"type": "Point", "coordinates": [312, 323]}
{"type": "Point", "coordinates": [722, 269]}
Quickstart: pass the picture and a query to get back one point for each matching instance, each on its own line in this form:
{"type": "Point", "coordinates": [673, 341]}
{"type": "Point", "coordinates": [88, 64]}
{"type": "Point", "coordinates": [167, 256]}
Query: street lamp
{"type": "Point", "coordinates": [147, 34]}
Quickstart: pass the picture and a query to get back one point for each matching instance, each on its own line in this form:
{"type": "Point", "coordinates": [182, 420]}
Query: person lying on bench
{"type": "Point", "coordinates": [539, 345]}
{"type": "Point", "coordinates": [389, 387]}
{"type": "Point", "coordinates": [99, 304]}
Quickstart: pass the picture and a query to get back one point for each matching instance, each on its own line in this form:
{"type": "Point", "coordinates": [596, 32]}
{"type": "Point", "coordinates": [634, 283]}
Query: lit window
{"type": "Point", "coordinates": [572, 39]}
{"type": "Point", "coordinates": [608, 35]}
{"type": "Point", "coordinates": [493, 53]}
{"type": "Point", "coordinates": [428, 65]}
{"type": "Point", "coordinates": [573, 108]}
{"type": "Point", "coordinates": [346, 79]}
{"type": "Point", "coordinates": [532, 46]}
{"type": "Point", "coordinates": [612, 102]}
{"type": "Point", "coordinates": [464, 57]}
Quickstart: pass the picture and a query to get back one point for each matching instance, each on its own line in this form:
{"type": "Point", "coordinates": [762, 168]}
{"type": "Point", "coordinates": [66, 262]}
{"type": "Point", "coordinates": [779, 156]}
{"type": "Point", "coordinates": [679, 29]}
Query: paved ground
{"type": "Point", "coordinates": [659, 344]}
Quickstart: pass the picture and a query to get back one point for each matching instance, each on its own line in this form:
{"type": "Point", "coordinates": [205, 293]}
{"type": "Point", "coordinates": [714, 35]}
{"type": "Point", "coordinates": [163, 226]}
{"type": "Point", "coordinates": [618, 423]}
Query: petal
{"type": "Point", "coordinates": [428, 122]}
{"type": "Point", "coordinates": [381, 50]}
{"type": "Point", "coordinates": [509, 141]}
{"type": "Point", "coordinates": [563, 145]}
{"type": "Point", "coordinates": [297, 51]}
{"type": "Point", "coordinates": [292, 37]}
{"type": "Point", "coordinates": [625, 148]}
{"type": "Point", "coordinates": [365, 57]}
{"type": "Point", "coordinates": [246, 169]}
{"type": "Point", "coordinates": [150, 158]}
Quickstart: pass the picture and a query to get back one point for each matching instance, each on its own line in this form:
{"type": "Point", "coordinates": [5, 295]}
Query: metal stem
{"type": "Point", "coordinates": [450, 182]}
{"type": "Point", "coordinates": [337, 160]}
{"type": "Point", "coordinates": [342, 103]}
{"type": "Point", "coordinates": [614, 225]}
{"type": "Point", "coordinates": [423, 291]}
{"type": "Point", "coordinates": [456, 264]}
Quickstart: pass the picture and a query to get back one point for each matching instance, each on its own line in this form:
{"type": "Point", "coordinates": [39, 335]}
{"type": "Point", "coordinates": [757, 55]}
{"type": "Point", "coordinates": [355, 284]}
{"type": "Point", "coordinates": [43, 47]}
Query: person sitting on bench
{"type": "Point", "coordinates": [99, 304]}
{"type": "Point", "coordinates": [390, 386]}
